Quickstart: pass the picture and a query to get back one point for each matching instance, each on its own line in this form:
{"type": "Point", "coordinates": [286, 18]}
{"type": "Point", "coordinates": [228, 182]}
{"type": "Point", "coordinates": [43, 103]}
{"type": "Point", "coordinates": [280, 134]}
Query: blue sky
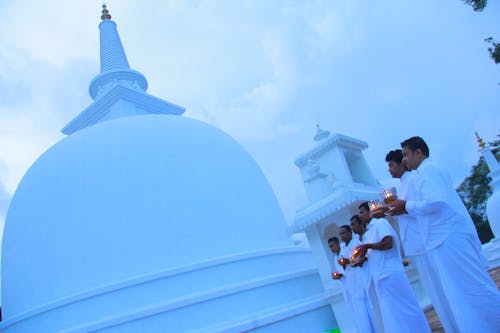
{"type": "Point", "coordinates": [266, 72]}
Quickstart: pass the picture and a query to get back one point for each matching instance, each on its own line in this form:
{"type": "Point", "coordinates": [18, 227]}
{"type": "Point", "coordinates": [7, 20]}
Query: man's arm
{"type": "Point", "coordinates": [433, 191]}
{"type": "Point", "coordinates": [432, 200]}
{"type": "Point", "coordinates": [385, 244]}
{"type": "Point", "coordinates": [398, 207]}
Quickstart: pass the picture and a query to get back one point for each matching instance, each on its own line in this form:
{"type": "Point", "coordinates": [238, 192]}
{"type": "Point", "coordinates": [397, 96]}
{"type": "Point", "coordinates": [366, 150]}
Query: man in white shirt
{"type": "Point", "coordinates": [412, 239]}
{"type": "Point", "coordinates": [334, 245]}
{"type": "Point", "coordinates": [344, 274]}
{"type": "Point", "coordinates": [453, 249]}
{"type": "Point", "coordinates": [356, 284]}
{"type": "Point", "coordinates": [398, 305]}
{"type": "Point", "coordinates": [339, 273]}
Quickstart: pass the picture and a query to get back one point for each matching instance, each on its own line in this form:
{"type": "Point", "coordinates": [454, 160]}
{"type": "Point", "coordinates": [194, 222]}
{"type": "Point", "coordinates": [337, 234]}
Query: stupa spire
{"type": "Point", "coordinates": [114, 64]}
{"type": "Point", "coordinates": [112, 52]}
{"type": "Point", "coordinates": [118, 91]}
{"type": "Point", "coordinates": [105, 13]}
{"type": "Point", "coordinates": [490, 160]}
{"type": "Point", "coordinates": [480, 141]}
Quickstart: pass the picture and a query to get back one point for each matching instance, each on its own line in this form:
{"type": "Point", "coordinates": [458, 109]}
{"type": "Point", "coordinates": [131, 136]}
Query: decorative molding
{"type": "Point", "coordinates": [315, 176]}
{"type": "Point", "coordinates": [339, 199]}
{"type": "Point", "coordinates": [171, 303]}
{"type": "Point", "coordinates": [148, 278]}
{"type": "Point", "coordinates": [306, 305]}
{"type": "Point", "coordinates": [335, 140]}
{"type": "Point", "coordinates": [103, 89]}
{"type": "Point", "coordinates": [107, 80]}
{"type": "Point", "coordinates": [101, 107]}
{"type": "Point", "coordinates": [313, 171]}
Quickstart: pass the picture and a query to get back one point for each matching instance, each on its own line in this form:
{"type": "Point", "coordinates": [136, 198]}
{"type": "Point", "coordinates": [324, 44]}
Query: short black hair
{"type": "Point", "coordinates": [364, 205]}
{"type": "Point", "coordinates": [394, 155]}
{"type": "Point", "coordinates": [346, 227]}
{"type": "Point", "coordinates": [334, 239]}
{"type": "Point", "coordinates": [414, 143]}
{"type": "Point", "coordinates": [357, 218]}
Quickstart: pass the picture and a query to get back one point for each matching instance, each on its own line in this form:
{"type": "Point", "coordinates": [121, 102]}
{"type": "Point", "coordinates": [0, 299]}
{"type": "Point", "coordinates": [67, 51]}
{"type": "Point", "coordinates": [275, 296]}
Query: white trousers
{"type": "Point", "coordinates": [362, 314]}
{"type": "Point", "coordinates": [434, 290]}
{"type": "Point", "coordinates": [399, 307]}
{"type": "Point", "coordinates": [470, 294]}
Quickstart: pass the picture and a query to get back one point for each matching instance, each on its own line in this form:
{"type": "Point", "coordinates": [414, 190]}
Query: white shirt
{"type": "Point", "coordinates": [409, 229]}
{"type": "Point", "coordinates": [437, 206]}
{"type": "Point", "coordinates": [340, 269]}
{"type": "Point", "coordinates": [357, 277]}
{"type": "Point", "coordinates": [382, 262]}
{"type": "Point", "coordinates": [346, 250]}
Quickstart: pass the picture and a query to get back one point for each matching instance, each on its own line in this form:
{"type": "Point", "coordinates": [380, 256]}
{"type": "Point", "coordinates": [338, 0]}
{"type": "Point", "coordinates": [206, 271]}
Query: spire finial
{"type": "Point", "coordinates": [105, 13]}
{"type": "Point", "coordinates": [480, 141]}
{"type": "Point", "coordinates": [320, 134]}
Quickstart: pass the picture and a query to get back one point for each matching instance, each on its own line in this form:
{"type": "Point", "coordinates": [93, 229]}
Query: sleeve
{"type": "Point", "coordinates": [344, 252]}
{"type": "Point", "coordinates": [354, 242]}
{"type": "Point", "coordinates": [432, 193]}
{"type": "Point", "coordinates": [384, 229]}
{"type": "Point", "coordinates": [348, 249]}
{"type": "Point", "coordinates": [338, 268]}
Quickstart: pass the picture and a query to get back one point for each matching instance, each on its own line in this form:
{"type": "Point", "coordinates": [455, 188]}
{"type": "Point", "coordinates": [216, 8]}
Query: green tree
{"type": "Point", "coordinates": [494, 49]}
{"type": "Point", "coordinates": [478, 5]}
{"type": "Point", "coordinates": [475, 191]}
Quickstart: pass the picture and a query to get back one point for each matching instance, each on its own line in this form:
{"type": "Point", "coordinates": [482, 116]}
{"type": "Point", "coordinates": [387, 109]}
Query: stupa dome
{"type": "Point", "coordinates": [144, 221]}
{"type": "Point", "coordinates": [148, 214]}
{"type": "Point", "coordinates": [158, 191]}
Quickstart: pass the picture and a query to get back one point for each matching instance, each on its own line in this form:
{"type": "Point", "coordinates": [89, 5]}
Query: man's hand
{"type": "Point", "coordinates": [359, 262]}
{"type": "Point", "coordinates": [379, 213]}
{"type": "Point", "coordinates": [343, 261]}
{"type": "Point", "coordinates": [360, 251]}
{"type": "Point", "coordinates": [337, 275]}
{"type": "Point", "coordinates": [397, 208]}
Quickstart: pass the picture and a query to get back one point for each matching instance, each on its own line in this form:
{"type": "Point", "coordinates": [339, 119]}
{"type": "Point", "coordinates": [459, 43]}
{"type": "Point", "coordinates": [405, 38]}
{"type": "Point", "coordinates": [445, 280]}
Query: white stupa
{"type": "Point", "coordinates": [492, 249]}
{"type": "Point", "coordinates": [145, 221]}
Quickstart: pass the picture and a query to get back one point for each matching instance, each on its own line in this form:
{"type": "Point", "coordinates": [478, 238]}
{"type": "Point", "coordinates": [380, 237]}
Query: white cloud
{"type": "Point", "coordinates": [264, 71]}
{"type": "Point", "coordinates": [38, 99]}
{"type": "Point", "coordinates": [52, 31]}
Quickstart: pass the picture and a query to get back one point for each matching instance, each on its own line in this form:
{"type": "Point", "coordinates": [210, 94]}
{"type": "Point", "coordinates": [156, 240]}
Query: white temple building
{"type": "Point", "coordinates": [142, 220]}
{"type": "Point", "coordinates": [337, 179]}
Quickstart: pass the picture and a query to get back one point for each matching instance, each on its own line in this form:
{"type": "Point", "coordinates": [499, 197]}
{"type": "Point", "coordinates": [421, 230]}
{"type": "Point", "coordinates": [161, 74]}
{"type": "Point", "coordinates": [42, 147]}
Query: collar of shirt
{"type": "Point", "coordinates": [405, 176]}
{"type": "Point", "coordinates": [370, 224]}
{"type": "Point", "coordinates": [423, 164]}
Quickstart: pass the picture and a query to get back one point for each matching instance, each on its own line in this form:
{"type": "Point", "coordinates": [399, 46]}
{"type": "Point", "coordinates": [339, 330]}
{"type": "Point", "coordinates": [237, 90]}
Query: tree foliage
{"type": "Point", "coordinates": [494, 50]}
{"type": "Point", "coordinates": [477, 5]}
{"type": "Point", "coordinates": [475, 191]}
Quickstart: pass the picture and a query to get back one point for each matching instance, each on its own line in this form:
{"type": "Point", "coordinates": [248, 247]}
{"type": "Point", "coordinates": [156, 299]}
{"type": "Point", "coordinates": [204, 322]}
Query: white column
{"type": "Point", "coordinates": [333, 288]}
